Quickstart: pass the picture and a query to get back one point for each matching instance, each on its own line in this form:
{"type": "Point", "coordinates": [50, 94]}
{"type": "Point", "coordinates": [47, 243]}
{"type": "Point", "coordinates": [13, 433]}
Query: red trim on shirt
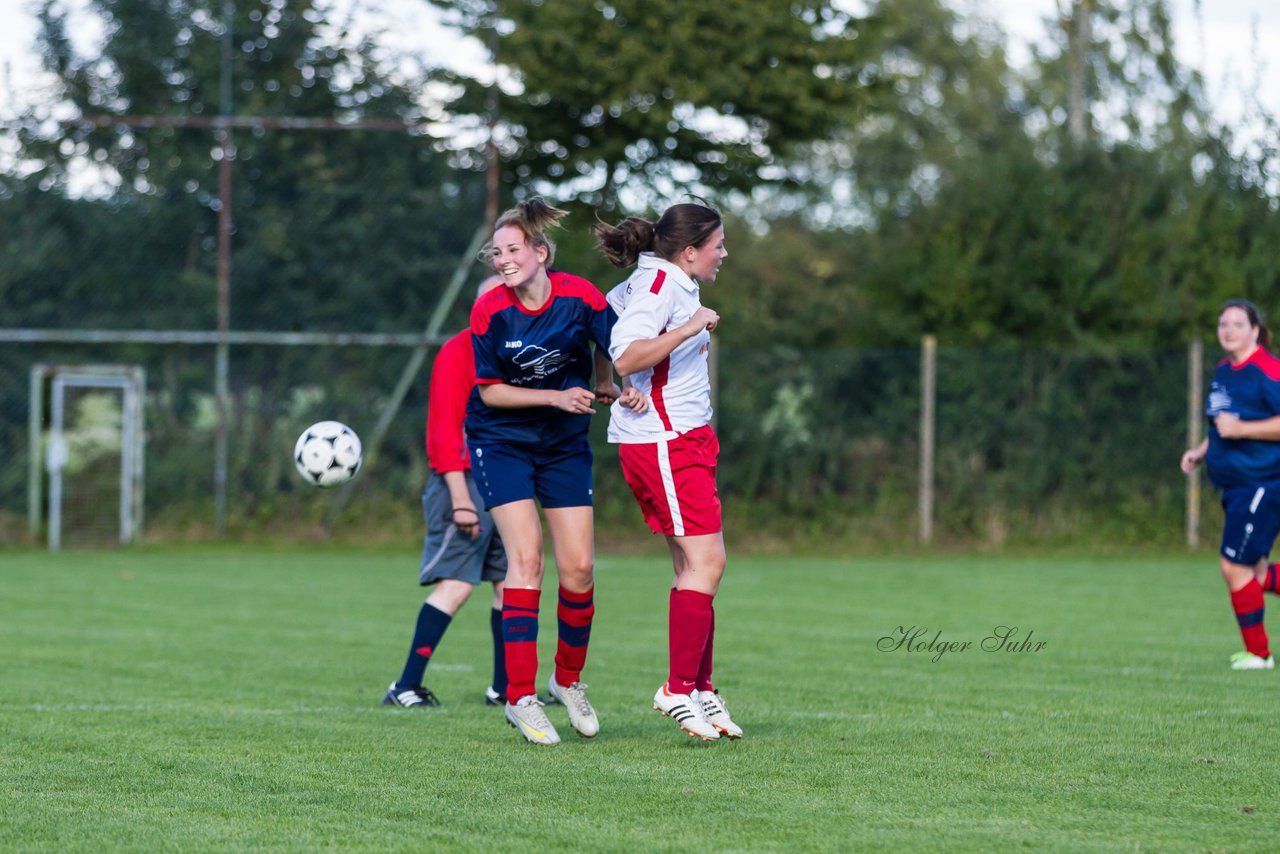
{"type": "Point", "coordinates": [487, 306]}
{"type": "Point", "coordinates": [661, 376]}
{"type": "Point", "coordinates": [1263, 361]}
{"type": "Point", "coordinates": [658, 281]}
{"type": "Point", "coordinates": [452, 375]}
{"type": "Point", "coordinates": [569, 285]}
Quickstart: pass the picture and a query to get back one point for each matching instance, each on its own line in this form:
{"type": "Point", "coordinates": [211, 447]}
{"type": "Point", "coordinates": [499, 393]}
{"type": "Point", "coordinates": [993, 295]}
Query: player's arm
{"type": "Point", "coordinates": [1194, 456]}
{"type": "Point", "coordinates": [607, 390]}
{"type": "Point", "coordinates": [1232, 427]}
{"type": "Point", "coordinates": [633, 398]}
{"type": "Point", "coordinates": [464, 515]}
{"type": "Point", "coordinates": [451, 379]}
{"type": "Point", "coordinates": [643, 353]}
{"type": "Point", "coordinates": [500, 395]}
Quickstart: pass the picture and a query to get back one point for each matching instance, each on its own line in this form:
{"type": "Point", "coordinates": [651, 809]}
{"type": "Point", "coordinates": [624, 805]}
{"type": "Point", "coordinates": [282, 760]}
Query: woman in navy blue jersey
{"type": "Point", "coordinates": [527, 424]}
{"type": "Point", "coordinates": [1242, 455]}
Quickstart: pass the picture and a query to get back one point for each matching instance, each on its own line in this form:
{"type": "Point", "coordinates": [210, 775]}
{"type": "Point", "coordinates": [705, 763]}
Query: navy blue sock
{"type": "Point", "coordinates": [499, 652]}
{"type": "Point", "coordinates": [432, 623]}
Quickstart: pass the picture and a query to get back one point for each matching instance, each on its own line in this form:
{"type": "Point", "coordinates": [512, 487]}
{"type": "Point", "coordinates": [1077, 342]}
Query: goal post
{"type": "Point", "coordinates": [92, 453]}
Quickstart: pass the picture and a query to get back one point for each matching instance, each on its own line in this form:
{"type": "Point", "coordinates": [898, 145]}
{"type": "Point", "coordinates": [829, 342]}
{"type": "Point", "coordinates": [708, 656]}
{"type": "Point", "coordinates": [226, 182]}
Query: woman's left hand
{"type": "Point", "coordinates": [607, 392]}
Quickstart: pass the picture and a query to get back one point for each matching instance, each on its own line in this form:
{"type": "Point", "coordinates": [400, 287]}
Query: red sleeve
{"type": "Point", "coordinates": [452, 375]}
{"type": "Point", "coordinates": [577, 286]}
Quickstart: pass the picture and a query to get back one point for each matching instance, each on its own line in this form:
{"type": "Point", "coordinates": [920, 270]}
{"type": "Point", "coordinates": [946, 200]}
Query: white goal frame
{"type": "Point", "coordinates": [51, 457]}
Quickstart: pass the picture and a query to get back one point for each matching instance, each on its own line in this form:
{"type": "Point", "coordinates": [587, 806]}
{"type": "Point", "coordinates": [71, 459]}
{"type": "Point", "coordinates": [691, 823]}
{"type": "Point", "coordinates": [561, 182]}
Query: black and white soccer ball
{"type": "Point", "coordinates": [328, 453]}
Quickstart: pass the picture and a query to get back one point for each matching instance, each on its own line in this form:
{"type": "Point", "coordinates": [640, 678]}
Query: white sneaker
{"type": "Point", "coordinates": [1245, 660]}
{"type": "Point", "coordinates": [574, 698]}
{"type": "Point", "coordinates": [527, 716]}
{"type": "Point", "coordinates": [685, 710]}
{"type": "Point", "coordinates": [717, 714]}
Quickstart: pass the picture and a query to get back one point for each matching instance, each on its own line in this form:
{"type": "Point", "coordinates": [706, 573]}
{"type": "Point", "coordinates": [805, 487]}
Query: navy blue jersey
{"type": "Point", "coordinates": [1251, 392]}
{"type": "Point", "coordinates": [549, 348]}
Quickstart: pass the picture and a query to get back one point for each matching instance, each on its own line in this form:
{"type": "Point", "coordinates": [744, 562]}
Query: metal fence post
{"type": "Point", "coordinates": [928, 396]}
{"type": "Point", "coordinates": [35, 472]}
{"type": "Point", "coordinates": [1195, 410]}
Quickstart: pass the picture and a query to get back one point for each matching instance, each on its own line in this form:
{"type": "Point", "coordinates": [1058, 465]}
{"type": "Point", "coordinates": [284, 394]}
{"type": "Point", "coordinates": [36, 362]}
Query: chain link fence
{"type": "Point", "coordinates": [363, 230]}
{"type": "Point", "coordinates": [818, 447]}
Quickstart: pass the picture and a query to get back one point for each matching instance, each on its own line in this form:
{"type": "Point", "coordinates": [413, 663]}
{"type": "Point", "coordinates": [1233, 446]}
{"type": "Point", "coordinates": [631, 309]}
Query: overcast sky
{"type": "Point", "coordinates": [1222, 39]}
{"type": "Point", "coordinates": [1227, 40]}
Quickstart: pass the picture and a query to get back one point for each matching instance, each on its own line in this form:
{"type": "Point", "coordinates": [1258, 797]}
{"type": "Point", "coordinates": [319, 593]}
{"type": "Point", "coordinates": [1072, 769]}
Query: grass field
{"type": "Point", "coordinates": [228, 699]}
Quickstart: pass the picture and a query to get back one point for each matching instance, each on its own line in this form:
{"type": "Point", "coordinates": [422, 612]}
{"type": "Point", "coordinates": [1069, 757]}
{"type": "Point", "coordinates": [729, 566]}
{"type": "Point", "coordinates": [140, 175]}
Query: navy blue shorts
{"type": "Point", "coordinates": [1253, 520]}
{"type": "Point", "coordinates": [556, 477]}
{"type": "Point", "coordinates": [449, 553]}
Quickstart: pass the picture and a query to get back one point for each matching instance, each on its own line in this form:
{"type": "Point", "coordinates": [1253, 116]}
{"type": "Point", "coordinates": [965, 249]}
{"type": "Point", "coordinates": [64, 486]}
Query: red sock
{"type": "Point", "coordinates": [689, 626]}
{"type": "Point", "coordinates": [1269, 583]}
{"type": "Point", "coordinates": [704, 669]}
{"type": "Point", "coordinates": [1248, 605]}
{"type": "Point", "coordinates": [520, 640]}
{"type": "Point", "coordinates": [574, 614]}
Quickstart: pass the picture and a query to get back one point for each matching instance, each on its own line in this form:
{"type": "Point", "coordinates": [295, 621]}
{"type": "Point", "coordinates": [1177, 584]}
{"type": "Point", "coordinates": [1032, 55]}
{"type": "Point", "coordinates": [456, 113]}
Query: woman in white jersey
{"type": "Point", "coordinates": [668, 451]}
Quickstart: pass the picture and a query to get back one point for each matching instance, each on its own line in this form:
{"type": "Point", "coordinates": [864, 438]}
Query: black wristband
{"type": "Point", "coordinates": [454, 514]}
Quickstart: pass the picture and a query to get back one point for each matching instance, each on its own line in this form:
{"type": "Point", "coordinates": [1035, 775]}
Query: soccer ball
{"type": "Point", "coordinates": [328, 454]}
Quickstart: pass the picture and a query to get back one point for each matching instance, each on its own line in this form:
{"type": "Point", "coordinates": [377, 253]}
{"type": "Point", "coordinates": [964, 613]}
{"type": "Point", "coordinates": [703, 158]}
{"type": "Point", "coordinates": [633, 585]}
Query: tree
{"type": "Point", "coordinates": [335, 231]}
{"type": "Point", "coordinates": [939, 91]}
{"type": "Point", "coordinates": [332, 228]}
{"type": "Point", "coordinates": [1111, 74]}
{"type": "Point", "coordinates": [660, 93]}
{"type": "Point", "coordinates": [969, 213]}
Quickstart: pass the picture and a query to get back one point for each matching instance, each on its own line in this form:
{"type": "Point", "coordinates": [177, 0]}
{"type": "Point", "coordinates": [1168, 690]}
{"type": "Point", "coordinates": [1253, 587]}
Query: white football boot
{"type": "Point", "coordinates": [686, 711]}
{"type": "Point", "coordinates": [1245, 660]}
{"type": "Point", "coordinates": [574, 698]}
{"type": "Point", "coordinates": [527, 716]}
{"type": "Point", "coordinates": [717, 714]}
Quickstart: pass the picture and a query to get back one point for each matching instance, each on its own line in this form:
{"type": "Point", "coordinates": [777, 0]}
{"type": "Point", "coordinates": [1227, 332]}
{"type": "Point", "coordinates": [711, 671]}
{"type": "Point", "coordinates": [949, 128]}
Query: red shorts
{"type": "Point", "coordinates": [675, 482]}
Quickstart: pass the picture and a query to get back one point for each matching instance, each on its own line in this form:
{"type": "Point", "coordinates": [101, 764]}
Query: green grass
{"type": "Point", "coordinates": [228, 699]}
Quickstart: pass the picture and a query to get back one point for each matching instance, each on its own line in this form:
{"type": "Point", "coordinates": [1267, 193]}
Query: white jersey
{"type": "Point", "coordinates": [657, 297]}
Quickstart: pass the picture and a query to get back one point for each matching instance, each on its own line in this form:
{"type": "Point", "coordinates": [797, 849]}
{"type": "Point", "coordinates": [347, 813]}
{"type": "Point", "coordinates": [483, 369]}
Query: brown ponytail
{"type": "Point", "coordinates": [679, 226]}
{"type": "Point", "coordinates": [623, 243]}
{"type": "Point", "coordinates": [533, 218]}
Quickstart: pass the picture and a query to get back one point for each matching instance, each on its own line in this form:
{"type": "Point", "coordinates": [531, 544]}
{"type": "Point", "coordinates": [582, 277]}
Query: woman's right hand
{"type": "Point", "coordinates": [575, 400]}
{"type": "Point", "coordinates": [703, 318]}
{"type": "Point", "coordinates": [634, 399]}
{"type": "Point", "coordinates": [466, 520]}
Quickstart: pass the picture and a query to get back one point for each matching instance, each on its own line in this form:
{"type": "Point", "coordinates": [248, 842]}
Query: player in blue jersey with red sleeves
{"type": "Point", "coordinates": [527, 423]}
{"type": "Point", "coordinates": [1242, 455]}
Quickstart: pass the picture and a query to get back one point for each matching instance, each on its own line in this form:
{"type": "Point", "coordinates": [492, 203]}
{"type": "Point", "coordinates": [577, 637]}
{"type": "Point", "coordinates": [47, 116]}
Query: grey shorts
{"type": "Point", "coordinates": [449, 553]}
